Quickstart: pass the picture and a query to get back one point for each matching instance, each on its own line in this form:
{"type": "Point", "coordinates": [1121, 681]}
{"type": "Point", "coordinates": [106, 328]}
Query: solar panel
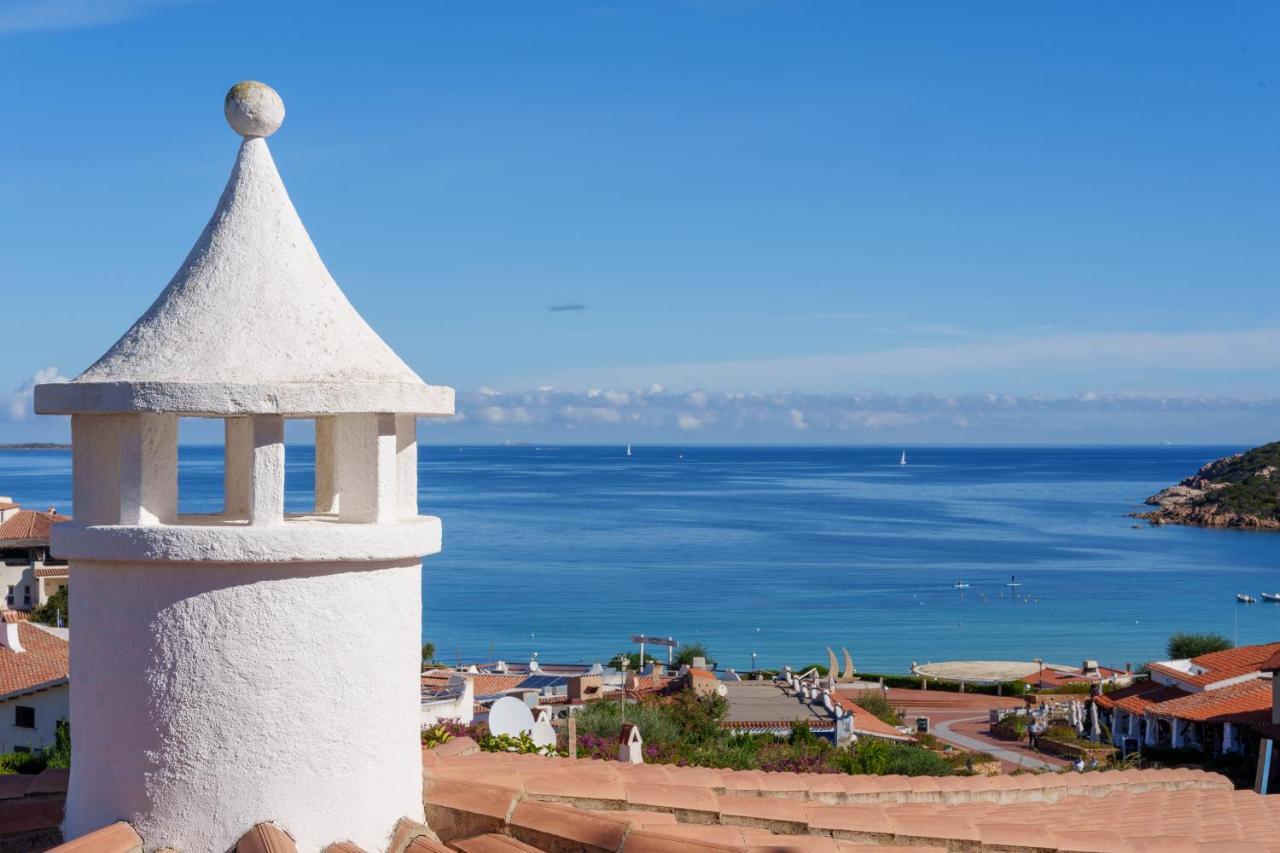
{"type": "Point", "coordinates": [540, 682]}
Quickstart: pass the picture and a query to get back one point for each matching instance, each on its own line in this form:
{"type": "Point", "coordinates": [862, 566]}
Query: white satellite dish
{"type": "Point", "coordinates": [510, 716]}
{"type": "Point", "coordinates": [543, 734]}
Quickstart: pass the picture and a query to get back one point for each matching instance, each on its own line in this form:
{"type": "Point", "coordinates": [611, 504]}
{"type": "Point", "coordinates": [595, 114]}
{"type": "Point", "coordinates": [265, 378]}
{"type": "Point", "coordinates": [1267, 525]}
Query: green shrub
{"type": "Point", "coordinates": [1184, 645]}
{"type": "Point", "coordinates": [875, 703]}
{"type": "Point", "coordinates": [57, 605]}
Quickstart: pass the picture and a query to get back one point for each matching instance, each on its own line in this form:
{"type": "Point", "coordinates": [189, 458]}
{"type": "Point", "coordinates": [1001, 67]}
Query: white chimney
{"type": "Point", "coordinates": [9, 635]}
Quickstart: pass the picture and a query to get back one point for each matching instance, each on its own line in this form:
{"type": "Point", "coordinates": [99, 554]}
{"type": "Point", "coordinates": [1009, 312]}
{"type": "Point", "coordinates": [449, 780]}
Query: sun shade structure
{"type": "Point", "coordinates": [248, 665]}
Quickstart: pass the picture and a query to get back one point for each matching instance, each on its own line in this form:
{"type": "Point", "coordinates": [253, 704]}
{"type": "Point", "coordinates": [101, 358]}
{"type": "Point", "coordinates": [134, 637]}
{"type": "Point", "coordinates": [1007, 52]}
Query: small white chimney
{"type": "Point", "coordinates": [9, 634]}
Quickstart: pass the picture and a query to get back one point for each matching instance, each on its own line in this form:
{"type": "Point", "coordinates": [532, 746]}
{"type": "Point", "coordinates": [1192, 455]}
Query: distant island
{"type": "Point", "coordinates": [1236, 491]}
{"type": "Point", "coordinates": [35, 445]}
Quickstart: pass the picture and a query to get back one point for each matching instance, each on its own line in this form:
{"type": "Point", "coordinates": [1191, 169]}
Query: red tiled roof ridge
{"type": "Point", "coordinates": [44, 662]}
{"type": "Point", "coordinates": [29, 525]}
{"type": "Point", "coordinates": [1235, 700]}
{"type": "Point", "coordinates": [1223, 665]}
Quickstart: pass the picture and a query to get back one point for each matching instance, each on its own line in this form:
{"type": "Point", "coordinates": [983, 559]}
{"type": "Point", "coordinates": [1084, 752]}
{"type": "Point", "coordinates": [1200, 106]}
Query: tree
{"type": "Point", "coordinates": [57, 605]}
{"type": "Point", "coordinates": [1183, 645]}
{"type": "Point", "coordinates": [428, 654]}
{"type": "Point", "coordinates": [688, 651]}
{"type": "Point", "coordinates": [632, 660]}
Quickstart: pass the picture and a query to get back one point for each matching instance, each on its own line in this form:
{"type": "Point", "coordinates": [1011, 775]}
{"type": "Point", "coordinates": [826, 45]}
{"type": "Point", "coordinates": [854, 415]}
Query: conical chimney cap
{"type": "Point", "coordinates": [252, 322]}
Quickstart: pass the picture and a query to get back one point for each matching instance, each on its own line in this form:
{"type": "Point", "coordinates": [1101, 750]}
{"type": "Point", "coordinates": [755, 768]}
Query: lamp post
{"type": "Point", "coordinates": [753, 663]}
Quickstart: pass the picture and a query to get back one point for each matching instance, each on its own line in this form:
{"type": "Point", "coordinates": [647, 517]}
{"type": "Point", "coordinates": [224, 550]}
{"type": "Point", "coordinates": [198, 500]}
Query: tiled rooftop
{"type": "Point", "coordinates": [566, 804]}
{"type": "Point", "coordinates": [1220, 666]}
{"type": "Point", "coordinates": [865, 722]}
{"type": "Point", "coordinates": [1235, 702]}
{"type": "Point", "coordinates": [28, 525]}
{"type": "Point", "coordinates": [1138, 697]}
{"type": "Point", "coordinates": [45, 660]}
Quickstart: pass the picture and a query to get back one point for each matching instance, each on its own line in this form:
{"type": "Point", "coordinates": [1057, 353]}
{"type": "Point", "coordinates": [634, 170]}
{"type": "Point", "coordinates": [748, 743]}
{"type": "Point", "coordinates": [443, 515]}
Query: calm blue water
{"type": "Point", "coordinates": [569, 550]}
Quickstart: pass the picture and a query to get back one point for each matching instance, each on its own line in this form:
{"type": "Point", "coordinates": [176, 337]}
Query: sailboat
{"type": "Point", "coordinates": [1013, 581]}
{"type": "Point", "coordinates": [903, 460]}
{"type": "Point", "coordinates": [628, 448]}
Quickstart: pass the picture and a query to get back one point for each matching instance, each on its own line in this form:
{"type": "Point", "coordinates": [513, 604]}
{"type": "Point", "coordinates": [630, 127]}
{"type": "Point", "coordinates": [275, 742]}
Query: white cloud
{"type": "Point", "coordinates": [649, 414]}
{"type": "Point", "coordinates": [689, 422]}
{"type": "Point", "coordinates": [17, 405]}
{"type": "Point", "coordinates": [38, 15]}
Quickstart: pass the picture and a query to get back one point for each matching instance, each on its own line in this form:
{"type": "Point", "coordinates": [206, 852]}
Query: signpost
{"type": "Point", "coordinates": [669, 642]}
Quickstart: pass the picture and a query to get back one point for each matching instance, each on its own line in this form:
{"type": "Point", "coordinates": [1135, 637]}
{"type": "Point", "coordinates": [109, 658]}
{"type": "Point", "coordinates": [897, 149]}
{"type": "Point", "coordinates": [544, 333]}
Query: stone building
{"type": "Point", "coordinates": [249, 665]}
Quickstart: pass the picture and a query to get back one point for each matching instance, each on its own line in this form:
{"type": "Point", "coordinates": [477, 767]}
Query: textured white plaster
{"type": "Point", "coordinates": [205, 538]}
{"type": "Point", "coordinates": [266, 486]}
{"type": "Point", "coordinates": [251, 320]}
{"type": "Point", "coordinates": [386, 493]}
{"type": "Point", "coordinates": [406, 466]}
{"type": "Point", "coordinates": [95, 468]}
{"type": "Point", "coordinates": [253, 109]}
{"type": "Point", "coordinates": [326, 486]}
{"type": "Point", "coordinates": [208, 701]}
{"type": "Point", "coordinates": [356, 470]}
{"type": "Point", "coordinates": [237, 467]}
{"type": "Point", "coordinates": [148, 468]}
{"type": "Point", "coordinates": [231, 398]}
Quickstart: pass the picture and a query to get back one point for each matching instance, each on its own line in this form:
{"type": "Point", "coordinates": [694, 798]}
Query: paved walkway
{"type": "Point", "coordinates": [1020, 759]}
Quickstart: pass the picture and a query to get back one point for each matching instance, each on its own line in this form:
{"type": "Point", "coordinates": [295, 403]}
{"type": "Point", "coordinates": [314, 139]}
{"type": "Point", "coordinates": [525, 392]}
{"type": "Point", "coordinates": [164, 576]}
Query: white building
{"type": "Point", "coordinates": [34, 678]}
{"type": "Point", "coordinates": [28, 575]}
{"type": "Point", "coordinates": [250, 665]}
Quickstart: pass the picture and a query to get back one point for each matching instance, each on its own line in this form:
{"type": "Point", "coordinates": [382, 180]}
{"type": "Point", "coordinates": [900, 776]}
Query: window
{"type": "Point", "coordinates": [24, 717]}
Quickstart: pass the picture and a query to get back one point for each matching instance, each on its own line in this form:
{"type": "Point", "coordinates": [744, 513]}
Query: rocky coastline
{"type": "Point", "coordinates": [1238, 491]}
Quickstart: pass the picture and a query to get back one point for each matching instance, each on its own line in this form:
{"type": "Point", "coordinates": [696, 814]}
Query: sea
{"type": "Point", "coordinates": [772, 554]}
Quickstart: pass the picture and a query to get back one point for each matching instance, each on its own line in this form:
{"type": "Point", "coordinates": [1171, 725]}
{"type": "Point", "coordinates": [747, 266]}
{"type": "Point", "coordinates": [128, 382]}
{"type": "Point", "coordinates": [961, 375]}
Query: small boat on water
{"type": "Point", "coordinates": [903, 460]}
{"type": "Point", "coordinates": [1271, 596]}
{"type": "Point", "coordinates": [1013, 581]}
{"type": "Point", "coordinates": [628, 448]}
{"type": "Point", "coordinates": [960, 585]}
{"type": "Point", "coordinates": [1245, 598]}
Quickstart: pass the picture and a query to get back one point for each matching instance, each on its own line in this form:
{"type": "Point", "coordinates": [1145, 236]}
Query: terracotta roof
{"type": "Point", "coordinates": [561, 803]}
{"type": "Point", "coordinates": [701, 673]}
{"type": "Point", "coordinates": [1220, 666]}
{"type": "Point", "coordinates": [487, 684]}
{"type": "Point", "coordinates": [1138, 697]}
{"type": "Point", "coordinates": [7, 505]}
{"type": "Point", "coordinates": [53, 571]}
{"type": "Point", "coordinates": [1272, 663]}
{"type": "Point", "coordinates": [865, 722]}
{"type": "Point", "coordinates": [43, 662]}
{"type": "Point", "coordinates": [1222, 705]}
{"type": "Point", "coordinates": [28, 525]}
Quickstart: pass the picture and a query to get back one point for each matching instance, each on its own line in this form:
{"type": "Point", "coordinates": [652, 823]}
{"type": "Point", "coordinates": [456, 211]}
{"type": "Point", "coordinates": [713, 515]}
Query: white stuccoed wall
{"type": "Point", "coordinates": [285, 692]}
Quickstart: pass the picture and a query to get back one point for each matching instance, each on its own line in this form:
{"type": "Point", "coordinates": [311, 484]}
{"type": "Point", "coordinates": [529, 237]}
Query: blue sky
{"type": "Point", "coordinates": [913, 201]}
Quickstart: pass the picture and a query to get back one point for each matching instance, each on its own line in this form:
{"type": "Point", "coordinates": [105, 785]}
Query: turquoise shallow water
{"type": "Point", "coordinates": [568, 551]}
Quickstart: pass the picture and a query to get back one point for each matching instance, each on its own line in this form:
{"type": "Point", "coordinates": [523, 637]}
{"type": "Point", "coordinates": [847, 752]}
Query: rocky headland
{"type": "Point", "coordinates": [1242, 490]}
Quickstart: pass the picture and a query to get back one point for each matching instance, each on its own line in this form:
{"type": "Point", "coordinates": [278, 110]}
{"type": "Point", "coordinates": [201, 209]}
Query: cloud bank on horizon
{"type": "Point", "coordinates": [656, 414]}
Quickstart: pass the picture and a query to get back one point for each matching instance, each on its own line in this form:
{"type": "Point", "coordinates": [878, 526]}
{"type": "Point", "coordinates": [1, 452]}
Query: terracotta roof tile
{"type": "Point", "coordinates": [116, 838]}
{"type": "Point", "coordinates": [45, 661]}
{"type": "Point", "coordinates": [266, 838]}
{"type": "Point", "coordinates": [1137, 697]}
{"type": "Point", "coordinates": [52, 571]}
{"type": "Point", "coordinates": [487, 684]}
{"type": "Point", "coordinates": [565, 822]}
{"type": "Point", "coordinates": [1222, 704]}
{"type": "Point", "coordinates": [29, 525]}
{"type": "Point", "coordinates": [1220, 666]}
{"type": "Point", "coordinates": [492, 843]}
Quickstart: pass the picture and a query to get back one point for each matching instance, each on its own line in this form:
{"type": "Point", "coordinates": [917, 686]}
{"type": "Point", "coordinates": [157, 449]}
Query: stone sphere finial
{"type": "Point", "coordinates": [253, 109]}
